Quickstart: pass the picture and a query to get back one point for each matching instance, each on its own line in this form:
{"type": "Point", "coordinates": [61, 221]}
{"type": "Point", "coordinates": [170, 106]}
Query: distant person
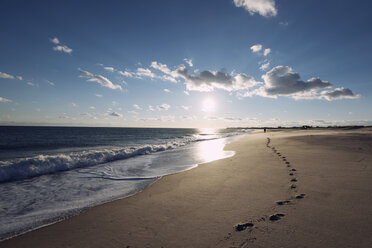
{"type": "Point", "coordinates": [264, 129]}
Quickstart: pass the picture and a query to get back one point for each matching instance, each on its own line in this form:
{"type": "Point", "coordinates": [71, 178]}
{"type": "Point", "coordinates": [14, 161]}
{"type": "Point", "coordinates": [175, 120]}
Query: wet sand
{"type": "Point", "coordinates": [283, 188]}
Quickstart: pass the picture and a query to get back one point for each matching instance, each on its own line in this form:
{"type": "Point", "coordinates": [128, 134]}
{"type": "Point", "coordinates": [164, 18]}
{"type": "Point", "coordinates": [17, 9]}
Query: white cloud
{"type": "Point", "coordinates": [2, 99]}
{"type": "Point", "coordinates": [168, 78]}
{"type": "Point", "coordinates": [115, 114]}
{"type": "Point", "coordinates": [263, 7]}
{"type": "Point", "coordinates": [256, 48]}
{"type": "Point", "coordinates": [126, 73]}
{"type": "Point", "coordinates": [282, 81]}
{"type": "Point", "coordinates": [137, 107]}
{"type": "Point", "coordinates": [63, 48]}
{"type": "Point", "coordinates": [6, 75]}
{"type": "Point", "coordinates": [207, 80]}
{"type": "Point", "coordinates": [266, 51]}
{"type": "Point", "coordinates": [73, 104]}
{"type": "Point", "coordinates": [108, 68]}
{"type": "Point", "coordinates": [32, 84]}
{"type": "Point", "coordinates": [210, 80]}
{"type": "Point", "coordinates": [98, 95]}
{"type": "Point", "coordinates": [163, 106]}
{"type": "Point", "coordinates": [284, 23]}
{"type": "Point", "coordinates": [186, 107]}
{"type": "Point", "coordinates": [55, 40]}
{"type": "Point", "coordinates": [189, 62]}
{"type": "Point", "coordinates": [59, 47]}
{"type": "Point", "coordinates": [99, 79]}
{"type": "Point", "coordinates": [166, 90]}
{"type": "Point", "coordinates": [263, 67]}
{"type": "Point", "coordinates": [19, 78]}
{"type": "Point", "coordinates": [151, 108]}
{"type": "Point", "coordinates": [338, 93]}
{"type": "Point", "coordinates": [145, 72]}
{"type": "Point", "coordinates": [186, 93]}
{"type": "Point", "coordinates": [92, 107]}
{"type": "Point", "coordinates": [172, 75]}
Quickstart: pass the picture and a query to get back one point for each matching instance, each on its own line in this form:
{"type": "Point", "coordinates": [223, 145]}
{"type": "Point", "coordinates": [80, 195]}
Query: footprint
{"type": "Point", "coordinates": [284, 157]}
{"type": "Point", "coordinates": [293, 186]}
{"type": "Point", "coordinates": [276, 217]}
{"type": "Point", "coordinates": [293, 170]}
{"type": "Point", "coordinates": [283, 202]}
{"type": "Point", "coordinates": [293, 180]}
{"type": "Point", "coordinates": [300, 196]}
{"type": "Point", "coordinates": [288, 165]}
{"type": "Point", "coordinates": [291, 174]}
{"type": "Point", "coordinates": [242, 226]}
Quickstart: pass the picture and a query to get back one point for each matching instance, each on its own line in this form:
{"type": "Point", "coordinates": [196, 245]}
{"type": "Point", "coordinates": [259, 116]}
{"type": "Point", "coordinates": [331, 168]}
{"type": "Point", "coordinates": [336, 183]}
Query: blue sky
{"type": "Point", "coordinates": [185, 63]}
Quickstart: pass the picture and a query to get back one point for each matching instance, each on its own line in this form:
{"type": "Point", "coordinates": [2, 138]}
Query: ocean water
{"type": "Point", "coordinates": [50, 173]}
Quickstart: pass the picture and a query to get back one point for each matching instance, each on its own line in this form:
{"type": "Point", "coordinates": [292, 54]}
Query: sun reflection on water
{"type": "Point", "coordinates": [212, 150]}
{"type": "Point", "coordinates": [208, 131]}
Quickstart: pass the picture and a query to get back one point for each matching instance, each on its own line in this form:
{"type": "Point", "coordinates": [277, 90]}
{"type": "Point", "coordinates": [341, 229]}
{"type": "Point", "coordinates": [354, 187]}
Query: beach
{"type": "Point", "coordinates": [283, 188]}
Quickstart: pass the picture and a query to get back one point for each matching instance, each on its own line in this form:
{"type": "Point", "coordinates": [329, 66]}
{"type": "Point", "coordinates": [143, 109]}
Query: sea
{"type": "Point", "coordinates": [48, 174]}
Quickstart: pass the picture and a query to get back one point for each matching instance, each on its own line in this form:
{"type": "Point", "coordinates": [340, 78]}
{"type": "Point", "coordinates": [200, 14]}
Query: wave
{"type": "Point", "coordinates": [24, 168]}
{"type": "Point", "coordinates": [46, 164]}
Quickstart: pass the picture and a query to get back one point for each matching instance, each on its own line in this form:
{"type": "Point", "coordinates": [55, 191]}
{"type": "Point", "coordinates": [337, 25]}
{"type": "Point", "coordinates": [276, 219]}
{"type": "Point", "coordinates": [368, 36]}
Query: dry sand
{"type": "Point", "coordinates": [200, 207]}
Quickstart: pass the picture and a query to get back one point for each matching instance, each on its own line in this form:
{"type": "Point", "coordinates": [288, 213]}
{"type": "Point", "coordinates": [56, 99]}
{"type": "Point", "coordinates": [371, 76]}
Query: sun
{"type": "Point", "coordinates": [208, 105]}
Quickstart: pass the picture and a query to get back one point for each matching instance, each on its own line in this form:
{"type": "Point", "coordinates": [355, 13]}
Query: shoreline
{"type": "Point", "coordinates": [201, 207]}
{"type": "Point", "coordinates": [77, 212]}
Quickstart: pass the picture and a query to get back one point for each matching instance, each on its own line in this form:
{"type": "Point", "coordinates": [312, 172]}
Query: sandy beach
{"type": "Point", "coordinates": [283, 188]}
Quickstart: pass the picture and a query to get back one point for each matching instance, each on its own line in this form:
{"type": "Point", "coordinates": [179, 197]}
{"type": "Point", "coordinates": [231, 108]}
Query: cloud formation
{"type": "Point", "coordinates": [189, 62]}
{"type": "Point", "coordinates": [6, 75]}
{"type": "Point", "coordinates": [99, 79]}
{"type": "Point", "coordinates": [2, 99]}
{"type": "Point", "coordinates": [339, 93]}
{"type": "Point", "coordinates": [282, 81]}
{"type": "Point", "coordinates": [163, 106]}
{"type": "Point", "coordinates": [55, 40]}
{"type": "Point", "coordinates": [145, 72]}
{"type": "Point", "coordinates": [170, 75]}
{"type": "Point", "coordinates": [151, 108]}
{"type": "Point", "coordinates": [263, 67]}
{"type": "Point", "coordinates": [32, 84]}
{"type": "Point", "coordinates": [263, 7]}
{"type": "Point", "coordinates": [279, 81]}
{"type": "Point", "coordinates": [109, 68]}
{"type": "Point", "coordinates": [115, 114]}
{"type": "Point", "coordinates": [266, 51]}
{"type": "Point", "coordinates": [256, 48]}
{"type": "Point", "coordinates": [126, 73]}
{"type": "Point", "coordinates": [59, 47]}
{"type": "Point", "coordinates": [137, 107]}
{"type": "Point", "coordinates": [210, 80]}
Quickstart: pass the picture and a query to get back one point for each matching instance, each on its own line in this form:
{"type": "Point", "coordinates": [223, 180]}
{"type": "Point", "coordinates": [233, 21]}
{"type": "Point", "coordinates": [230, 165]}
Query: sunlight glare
{"type": "Point", "coordinates": [212, 150]}
{"type": "Point", "coordinates": [209, 105]}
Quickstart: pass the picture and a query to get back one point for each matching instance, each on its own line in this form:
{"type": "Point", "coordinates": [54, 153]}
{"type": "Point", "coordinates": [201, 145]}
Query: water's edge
{"type": "Point", "coordinates": [76, 212]}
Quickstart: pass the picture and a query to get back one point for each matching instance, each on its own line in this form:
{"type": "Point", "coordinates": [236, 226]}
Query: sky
{"type": "Point", "coordinates": [185, 63]}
